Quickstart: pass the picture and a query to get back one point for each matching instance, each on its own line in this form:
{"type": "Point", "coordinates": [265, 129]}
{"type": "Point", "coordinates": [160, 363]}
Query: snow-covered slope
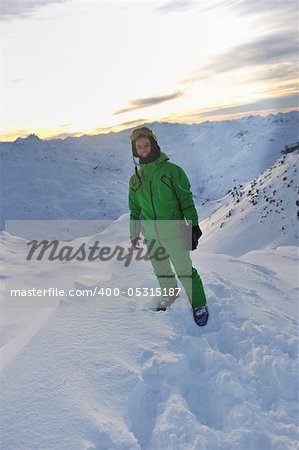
{"type": "Point", "coordinates": [87, 177]}
{"type": "Point", "coordinates": [262, 213]}
{"type": "Point", "coordinates": [107, 372]}
{"type": "Point", "coordinates": [219, 155]}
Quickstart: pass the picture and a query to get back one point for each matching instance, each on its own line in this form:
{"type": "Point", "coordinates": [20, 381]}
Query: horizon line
{"type": "Point", "coordinates": [44, 134]}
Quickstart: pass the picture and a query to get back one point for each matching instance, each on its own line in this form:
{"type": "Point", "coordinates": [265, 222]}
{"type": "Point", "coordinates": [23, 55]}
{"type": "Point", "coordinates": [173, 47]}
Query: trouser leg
{"type": "Point", "coordinates": [162, 269]}
{"type": "Point", "coordinates": [188, 275]}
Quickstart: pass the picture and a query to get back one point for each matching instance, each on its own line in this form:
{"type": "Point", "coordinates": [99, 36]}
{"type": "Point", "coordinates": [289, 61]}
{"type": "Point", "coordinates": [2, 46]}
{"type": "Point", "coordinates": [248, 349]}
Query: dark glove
{"type": "Point", "coordinates": [134, 242]}
{"type": "Point", "coordinates": [196, 233]}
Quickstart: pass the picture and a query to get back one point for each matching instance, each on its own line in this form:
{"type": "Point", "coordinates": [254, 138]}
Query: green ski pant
{"type": "Point", "coordinates": [180, 259]}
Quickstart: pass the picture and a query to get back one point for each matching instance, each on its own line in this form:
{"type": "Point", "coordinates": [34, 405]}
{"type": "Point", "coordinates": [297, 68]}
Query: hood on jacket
{"type": "Point", "coordinates": [155, 149]}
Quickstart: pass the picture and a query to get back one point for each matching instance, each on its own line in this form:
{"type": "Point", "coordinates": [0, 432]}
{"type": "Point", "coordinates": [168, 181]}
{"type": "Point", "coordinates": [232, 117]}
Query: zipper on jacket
{"type": "Point", "coordinates": [151, 192]}
{"type": "Point", "coordinates": [155, 215]}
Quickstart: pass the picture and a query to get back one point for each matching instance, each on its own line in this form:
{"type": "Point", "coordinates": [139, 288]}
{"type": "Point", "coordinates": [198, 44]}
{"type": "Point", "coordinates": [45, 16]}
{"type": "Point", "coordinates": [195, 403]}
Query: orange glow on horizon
{"type": "Point", "coordinates": [58, 133]}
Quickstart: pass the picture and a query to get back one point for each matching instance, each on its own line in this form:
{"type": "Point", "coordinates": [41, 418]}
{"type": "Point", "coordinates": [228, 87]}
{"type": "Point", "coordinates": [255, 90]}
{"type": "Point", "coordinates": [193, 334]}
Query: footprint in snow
{"type": "Point", "coordinates": [220, 290]}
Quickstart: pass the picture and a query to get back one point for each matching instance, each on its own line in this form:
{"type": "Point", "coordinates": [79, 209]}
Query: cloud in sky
{"type": "Point", "coordinates": [121, 125]}
{"type": "Point", "coordinates": [148, 101]}
{"type": "Point", "coordinates": [22, 8]}
{"type": "Point", "coordinates": [175, 6]}
{"type": "Point", "coordinates": [94, 131]}
{"type": "Point", "coordinates": [261, 106]}
{"type": "Point", "coordinates": [83, 66]}
{"type": "Point", "coordinates": [279, 9]}
{"type": "Point", "coordinates": [289, 101]}
{"type": "Point", "coordinates": [182, 6]}
{"type": "Point", "coordinates": [270, 58]}
{"type": "Point", "coordinates": [255, 6]}
{"type": "Point", "coordinates": [279, 15]}
{"type": "Point", "coordinates": [132, 123]}
{"type": "Point", "coordinates": [269, 50]}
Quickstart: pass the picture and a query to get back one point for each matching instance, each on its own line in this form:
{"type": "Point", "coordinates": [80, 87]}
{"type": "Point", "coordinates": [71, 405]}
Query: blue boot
{"type": "Point", "coordinates": [201, 315]}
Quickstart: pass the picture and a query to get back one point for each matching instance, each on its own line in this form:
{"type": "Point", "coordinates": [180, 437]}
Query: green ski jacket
{"type": "Point", "coordinates": [162, 194]}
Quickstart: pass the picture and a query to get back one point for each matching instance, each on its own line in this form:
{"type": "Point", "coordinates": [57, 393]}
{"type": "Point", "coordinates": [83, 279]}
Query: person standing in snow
{"type": "Point", "coordinates": [160, 202]}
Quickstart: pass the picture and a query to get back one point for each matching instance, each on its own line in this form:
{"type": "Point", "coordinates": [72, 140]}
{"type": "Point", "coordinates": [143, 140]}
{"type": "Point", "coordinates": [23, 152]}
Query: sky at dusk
{"type": "Point", "coordinates": [73, 67]}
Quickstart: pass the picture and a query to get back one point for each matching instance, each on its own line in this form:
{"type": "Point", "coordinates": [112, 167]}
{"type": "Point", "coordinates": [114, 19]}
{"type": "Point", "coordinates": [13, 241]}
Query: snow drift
{"type": "Point", "coordinates": [109, 372]}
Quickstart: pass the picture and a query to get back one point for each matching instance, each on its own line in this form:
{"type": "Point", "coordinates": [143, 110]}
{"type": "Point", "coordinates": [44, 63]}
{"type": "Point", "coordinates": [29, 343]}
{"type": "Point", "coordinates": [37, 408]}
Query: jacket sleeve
{"type": "Point", "coordinates": [135, 225]}
{"type": "Point", "coordinates": [182, 189]}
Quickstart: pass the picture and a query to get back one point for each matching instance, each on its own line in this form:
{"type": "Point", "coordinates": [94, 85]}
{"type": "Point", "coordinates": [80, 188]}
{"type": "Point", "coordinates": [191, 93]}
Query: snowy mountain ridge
{"type": "Point", "coordinates": [87, 177]}
{"type": "Point", "coordinates": [260, 214]}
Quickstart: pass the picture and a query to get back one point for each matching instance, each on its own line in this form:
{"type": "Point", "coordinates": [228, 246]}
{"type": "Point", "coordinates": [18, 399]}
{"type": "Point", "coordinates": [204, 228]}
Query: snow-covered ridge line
{"type": "Point", "coordinates": [87, 177]}
{"type": "Point", "coordinates": [263, 212]}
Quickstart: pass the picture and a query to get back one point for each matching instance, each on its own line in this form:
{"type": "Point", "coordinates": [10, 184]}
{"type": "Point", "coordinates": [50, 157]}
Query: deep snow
{"type": "Point", "coordinates": [110, 373]}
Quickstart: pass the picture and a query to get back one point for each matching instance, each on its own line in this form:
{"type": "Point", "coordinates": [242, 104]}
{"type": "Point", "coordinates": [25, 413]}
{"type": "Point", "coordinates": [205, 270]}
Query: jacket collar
{"type": "Point", "coordinates": [153, 165]}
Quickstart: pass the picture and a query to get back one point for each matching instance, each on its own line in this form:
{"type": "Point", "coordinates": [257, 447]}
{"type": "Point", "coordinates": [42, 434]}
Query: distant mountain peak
{"type": "Point", "coordinates": [30, 138]}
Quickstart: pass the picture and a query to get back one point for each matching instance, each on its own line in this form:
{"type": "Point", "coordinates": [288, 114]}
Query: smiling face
{"type": "Point", "coordinates": [143, 146]}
